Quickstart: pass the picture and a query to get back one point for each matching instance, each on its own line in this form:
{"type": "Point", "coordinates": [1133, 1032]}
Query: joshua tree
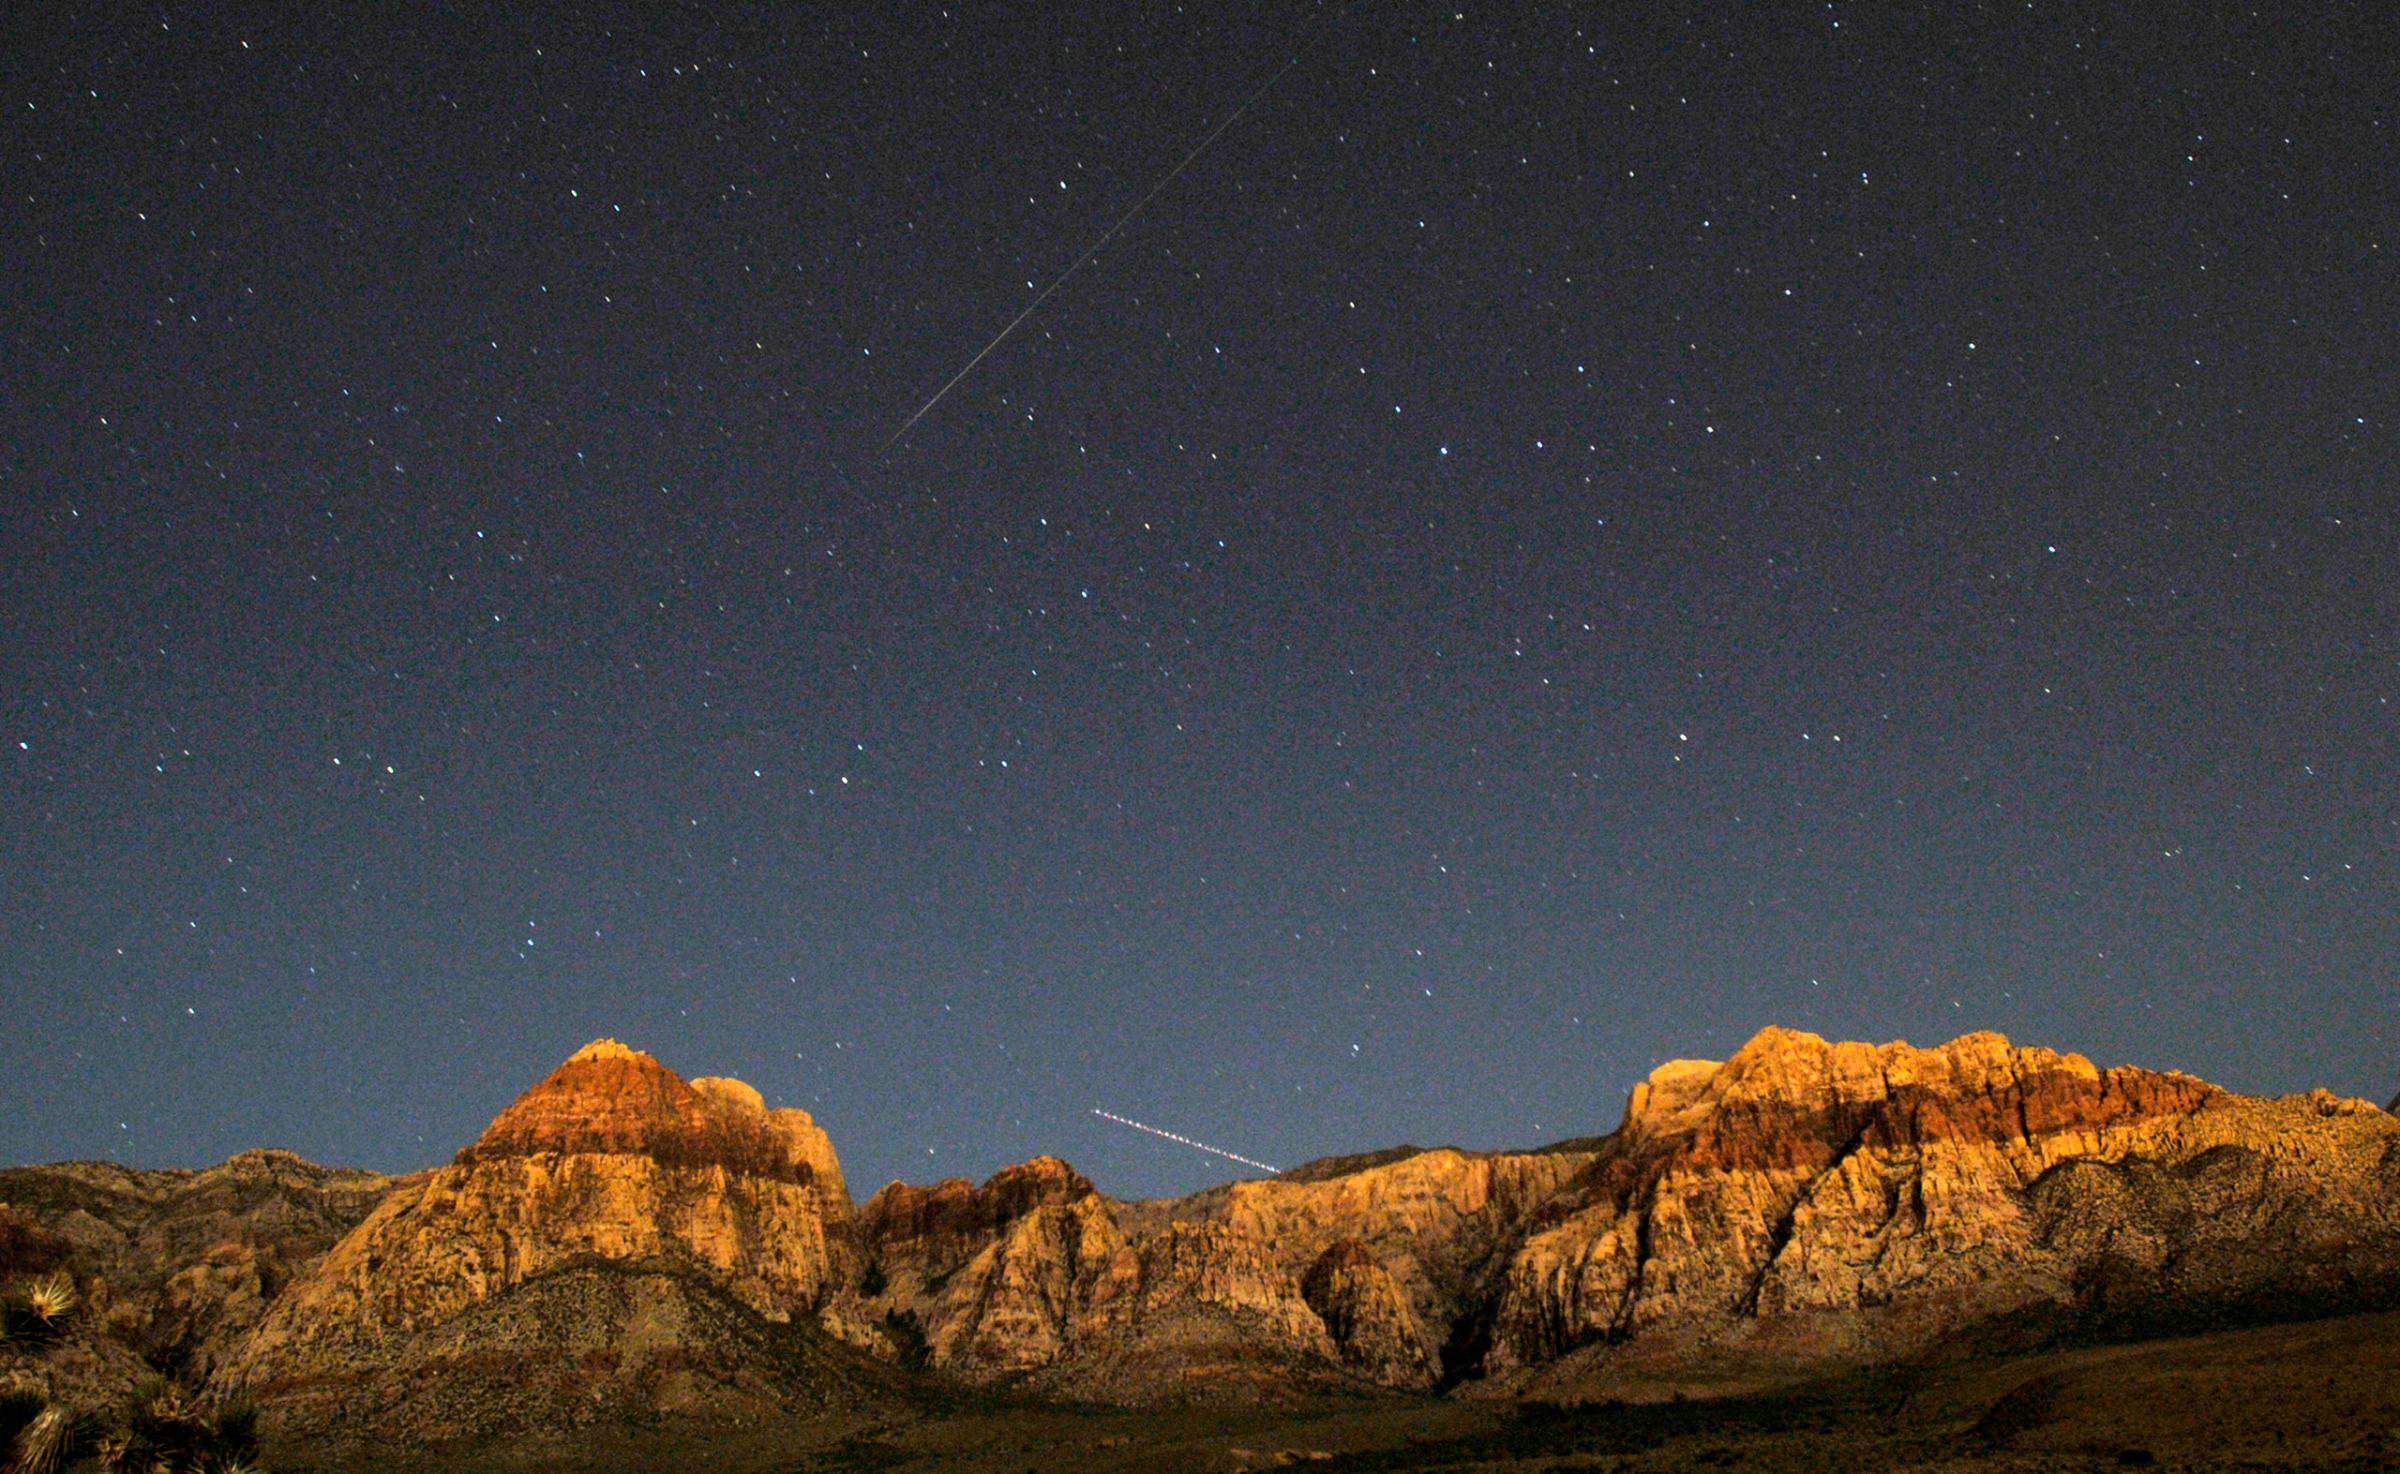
{"type": "Point", "coordinates": [37, 1313]}
{"type": "Point", "coordinates": [161, 1430]}
{"type": "Point", "coordinates": [40, 1437]}
{"type": "Point", "coordinates": [165, 1428]}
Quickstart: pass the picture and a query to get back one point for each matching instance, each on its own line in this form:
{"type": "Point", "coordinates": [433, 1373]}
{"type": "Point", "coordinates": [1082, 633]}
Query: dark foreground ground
{"type": "Point", "coordinates": [2323, 1395]}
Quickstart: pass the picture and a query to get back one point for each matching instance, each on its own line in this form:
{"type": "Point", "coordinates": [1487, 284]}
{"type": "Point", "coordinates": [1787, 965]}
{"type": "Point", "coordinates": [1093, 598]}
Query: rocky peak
{"type": "Point", "coordinates": [943, 1224]}
{"type": "Point", "coordinates": [1043, 1179]}
{"type": "Point", "coordinates": [612, 1158]}
{"type": "Point", "coordinates": [1788, 1066]}
{"type": "Point", "coordinates": [798, 1130]}
{"type": "Point", "coordinates": [730, 1094]}
{"type": "Point", "coordinates": [1666, 1101]}
{"type": "Point", "coordinates": [1803, 1176]}
{"type": "Point", "coordinates": [610, 1100]}
{"type": "Point", "coordinates": [1786, 1097]}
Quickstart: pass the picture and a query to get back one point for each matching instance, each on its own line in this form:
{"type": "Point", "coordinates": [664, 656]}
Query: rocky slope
{"type": "Point", "coordinates": [1328, 1276]}
{"type": "Point", "coordinates": [1437, 1222]}
{"type": "Point", "coordinates": [1802, 1204]}
{"type": "Point", "coordinates": [611, 1161]}
{"type": "Point", "coordinates": [1035, 1274]}
{"type": "Point", "coordinates": [175, 1267]}
{"type": "Point", "coordinates": [1818, 1200]}
{"type": "Point", "coordinates": [621, 1245]}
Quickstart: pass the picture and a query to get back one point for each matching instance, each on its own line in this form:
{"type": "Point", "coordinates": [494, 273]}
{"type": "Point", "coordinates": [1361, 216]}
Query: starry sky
{"type": "Point", "coordinates": [1565, 535]}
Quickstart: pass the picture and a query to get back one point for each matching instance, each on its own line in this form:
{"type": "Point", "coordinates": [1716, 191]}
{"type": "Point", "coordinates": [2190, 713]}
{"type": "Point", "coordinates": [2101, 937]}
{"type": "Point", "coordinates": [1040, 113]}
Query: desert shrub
{"type": "Point", "coordinates": [163, 1427]}
{"type": "Point", "coordinates": [37, 1310]}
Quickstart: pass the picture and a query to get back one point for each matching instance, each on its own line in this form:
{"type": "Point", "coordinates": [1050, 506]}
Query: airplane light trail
{"type": "Point", "coordinates": [1183, 1140]}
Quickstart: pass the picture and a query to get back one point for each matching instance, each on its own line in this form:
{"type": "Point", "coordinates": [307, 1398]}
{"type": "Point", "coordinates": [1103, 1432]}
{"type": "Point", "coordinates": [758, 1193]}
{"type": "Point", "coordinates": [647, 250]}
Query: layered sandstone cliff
{"type": "Point", "coordinates": [1848, 1200]}
{"type": "Point", "coordinates": [1435, 1221]}
{"type": "Point", "coordinates": [612, 1160]}
{"type": "Point", "coordinates": [622, 1243]}
{"type": "Point", "coordinates": [1034, 1275]}
{"type": "Point", "coordinates": [1369, 1318]}
{"type": "Point", "coordinates": [1331, 1276]}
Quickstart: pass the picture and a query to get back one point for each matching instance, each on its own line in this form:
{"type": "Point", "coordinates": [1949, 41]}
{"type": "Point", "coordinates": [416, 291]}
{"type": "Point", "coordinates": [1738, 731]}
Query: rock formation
{"type": "Point", "coordinates": [612, 1160]}
{"type": "Point", "coordinates": [1437, 1222]}
{"type": "Point", "coordinates": [176, 1267]}
{"type": "Point", "coordinates": [1847, 1200]}
{"type": "Point", "coordinates": [1034, 1274]}
{"type": "Point", "coordinates": [1369, 1319]}
{"type": "Point", "coordinates": [1347, 1271]}
{"type": "Point", "coordinates": [622, 1244]}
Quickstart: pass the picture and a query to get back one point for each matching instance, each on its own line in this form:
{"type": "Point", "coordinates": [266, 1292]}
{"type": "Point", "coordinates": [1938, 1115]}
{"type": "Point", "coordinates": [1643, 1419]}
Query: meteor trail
{"type": "Point", "coordinates": [1094, 249]}
{"type": "Point", "coordinates": [1183, 1140]}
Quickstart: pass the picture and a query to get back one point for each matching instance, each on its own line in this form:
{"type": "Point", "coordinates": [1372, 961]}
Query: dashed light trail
{"type": "Point", "coordinates": [1184, 1140]}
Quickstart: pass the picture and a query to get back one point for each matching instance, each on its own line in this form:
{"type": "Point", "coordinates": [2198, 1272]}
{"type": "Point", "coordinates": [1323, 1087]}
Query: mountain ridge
{"type": "Point", "coordinates": [673, 1246]}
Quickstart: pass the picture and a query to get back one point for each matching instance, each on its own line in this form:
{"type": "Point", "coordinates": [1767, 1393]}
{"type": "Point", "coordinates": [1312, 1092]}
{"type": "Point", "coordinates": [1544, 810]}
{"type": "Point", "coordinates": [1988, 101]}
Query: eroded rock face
{"type": "Point", "coordinates": [1195, 1312]}
{"type": "Point", "coordinates": [1882, 1195]}
{"type": "Point", "coordinates": [1835, 1201]}
{"type": "Point", "coordinates": [620, 1239]}
{"type": "Point", "coordinates": [1369, 1319]}
{"type": "Point", "coordinates": [992, 1279]}
{"type": "Point", "coordinates": [1435, 1221]}
{"type": "Point", "coordinates": [177, 1266]}
{"type": "Point", "coordinates": [611, 1101]}
{"type": "Point", "coordinates": [613, 1159]}
{"type": "Point", "coordinates": [1034, 1274]}
{"type": "Point", "coordinates": [930, 1231]}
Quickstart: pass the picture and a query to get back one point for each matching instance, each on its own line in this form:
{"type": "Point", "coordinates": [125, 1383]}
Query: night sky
{"type": "Point", "coordinates": [1566, 535]}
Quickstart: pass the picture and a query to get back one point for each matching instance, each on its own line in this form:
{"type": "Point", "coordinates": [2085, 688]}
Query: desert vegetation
{"type": "Point", "coordinates": [158, 1427]}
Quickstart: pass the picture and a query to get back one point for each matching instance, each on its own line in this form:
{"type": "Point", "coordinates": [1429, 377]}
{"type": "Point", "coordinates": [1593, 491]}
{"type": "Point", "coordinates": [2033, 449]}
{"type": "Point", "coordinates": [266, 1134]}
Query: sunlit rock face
{"type": "Point", "coordinates": [1369, 1319]}
{"type": "Point", "coordinates": [620, 1238]}
{"type": "Point", "coordinates": [1336, 1276]}
{"type": "Point", "coordinates": [609, 1100]}
{"type": "Point", "coordinates": [612, 1158]}
{"type": "Point", "coordinates": [1864, 1198]}
{"type": "Point", "coordinates": [1034, 1276]}
{"type": "Point", "coordinates": [1813, 1200]}
{"type": "Point", "coordinates": [1435, 1221]}
{"type": "Point", "coordinates": [991, 1279]}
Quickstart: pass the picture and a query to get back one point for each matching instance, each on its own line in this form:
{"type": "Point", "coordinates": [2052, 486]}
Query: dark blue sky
{"type": "Point", "coordinates": [1559, 540]}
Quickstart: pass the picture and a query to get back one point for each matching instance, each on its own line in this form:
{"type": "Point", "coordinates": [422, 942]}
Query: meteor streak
{"type": "Point", "coordinates": [1184, 1140]}
{"type": "Point", "coordinates": [1092, 250]}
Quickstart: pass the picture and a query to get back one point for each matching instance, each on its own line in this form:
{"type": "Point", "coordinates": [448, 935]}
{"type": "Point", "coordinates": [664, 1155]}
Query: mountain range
{"type": "Point", "coordinates": [625, 1247]}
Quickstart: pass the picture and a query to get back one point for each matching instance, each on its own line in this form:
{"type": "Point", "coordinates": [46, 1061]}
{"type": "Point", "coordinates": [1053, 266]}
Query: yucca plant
{"type": "Point", "coordinates": [169, 1431]}
{"type": "Point", "coordinates": [18, 1406]}
{"type": "Point", "coordinates": [54, 1438]}
{"type": "Point", "coordinates": [51, 1298]}
{"type": "Point", "coordinates": [38, 1436]}
{"type": "Point", "coordinates": [38, 1311]}
{"type": "Point", "coordinates": [163, 1428]}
